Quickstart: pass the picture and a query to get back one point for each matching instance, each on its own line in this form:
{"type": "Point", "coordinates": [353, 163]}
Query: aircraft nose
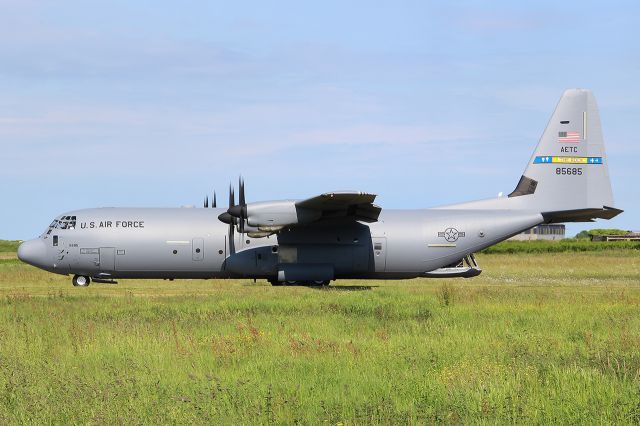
{"type": "Point", "coordinates": [33, 252]}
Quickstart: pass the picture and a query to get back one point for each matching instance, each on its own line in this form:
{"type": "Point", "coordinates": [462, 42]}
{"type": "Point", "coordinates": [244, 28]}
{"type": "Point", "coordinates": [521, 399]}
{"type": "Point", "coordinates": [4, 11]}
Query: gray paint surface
{"type": "Point", "coordinates": [326, 237]}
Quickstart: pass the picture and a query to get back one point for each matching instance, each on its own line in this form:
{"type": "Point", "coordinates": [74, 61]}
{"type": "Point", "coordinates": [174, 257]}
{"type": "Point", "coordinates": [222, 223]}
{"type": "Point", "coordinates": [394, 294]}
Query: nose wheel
{"type": "Point", "coordinates": [81, 281]}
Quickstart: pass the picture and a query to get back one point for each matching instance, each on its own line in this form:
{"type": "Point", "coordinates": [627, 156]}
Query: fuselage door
{"type": "Point", "coordinates": [197, 249]}
{"type": "Point", "coordinates": [379, 253]}
{"type": "Point", "coordinates": [58, 247]}
{"type": "Point", "coordinates": [107, 258]}
{"type": "Point", "coordinates": [87, 260]}
{"type": "Point", "coordinates": [61, 258]}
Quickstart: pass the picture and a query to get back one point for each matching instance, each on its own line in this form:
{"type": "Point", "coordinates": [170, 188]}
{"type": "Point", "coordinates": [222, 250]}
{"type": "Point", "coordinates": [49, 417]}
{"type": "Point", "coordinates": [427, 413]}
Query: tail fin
{"type": "Point", "coordinates": [567, 178]}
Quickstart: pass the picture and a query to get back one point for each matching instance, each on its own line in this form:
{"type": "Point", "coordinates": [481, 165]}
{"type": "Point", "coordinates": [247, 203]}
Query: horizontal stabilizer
{"type": "Point", "coordinates": [581, 215]}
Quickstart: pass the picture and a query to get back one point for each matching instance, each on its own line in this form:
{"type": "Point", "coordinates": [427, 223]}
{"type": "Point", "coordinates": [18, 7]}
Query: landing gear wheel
{"type": "Point", "coordinates": [323, 283]}
{"type": "Point", "coordinates": [81, 281]}
{"type": "Point", "coordinates": [292, 282]}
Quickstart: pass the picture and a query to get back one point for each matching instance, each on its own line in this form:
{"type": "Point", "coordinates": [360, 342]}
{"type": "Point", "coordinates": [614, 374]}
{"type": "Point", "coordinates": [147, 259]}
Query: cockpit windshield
{"type": "Point", "coordinates": [64, 222]}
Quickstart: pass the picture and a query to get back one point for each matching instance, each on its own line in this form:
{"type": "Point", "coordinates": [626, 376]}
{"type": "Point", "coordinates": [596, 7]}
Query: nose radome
{"type": "Point", "coordinates": [33, 252]}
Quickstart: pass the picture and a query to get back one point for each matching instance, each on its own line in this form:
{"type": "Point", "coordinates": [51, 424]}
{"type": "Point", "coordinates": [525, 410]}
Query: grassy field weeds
{"type": "Point", "coordinates": [8, 249]}
{"type": "Point", "coordinates": [568, 245]}
{"type": "Point", "coordinates": [8, 246]}
{"type": "Point", "coordinates": [536, 338]}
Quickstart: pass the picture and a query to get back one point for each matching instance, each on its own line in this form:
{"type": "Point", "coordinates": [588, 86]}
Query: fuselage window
{"type": "Point", "coordinates": [55, 240]}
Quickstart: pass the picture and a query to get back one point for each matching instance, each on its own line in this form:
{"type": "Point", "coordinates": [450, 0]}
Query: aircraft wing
{"type": "Point", "coordinates": [264, 218]}
{"type": "Point", "coordinates": [358, 205]}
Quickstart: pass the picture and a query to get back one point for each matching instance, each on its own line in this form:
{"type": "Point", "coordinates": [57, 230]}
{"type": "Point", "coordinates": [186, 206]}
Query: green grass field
{"type": "Point", "coordinates": [540, 338]}
{"type": "Point", "coordinates": [569, 245]}
{"type": "Point", "coordinates": [8, 246]}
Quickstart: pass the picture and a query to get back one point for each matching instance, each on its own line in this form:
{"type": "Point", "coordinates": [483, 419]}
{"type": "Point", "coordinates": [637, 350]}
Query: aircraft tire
{"type": "Point", "coordinates": [323, 283]}
{"type": "Point", "coordinates": [81, 281]}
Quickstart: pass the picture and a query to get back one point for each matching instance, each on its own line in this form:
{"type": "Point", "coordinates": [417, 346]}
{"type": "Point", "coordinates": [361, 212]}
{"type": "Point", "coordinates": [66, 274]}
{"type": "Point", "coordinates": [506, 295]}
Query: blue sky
{"type": "Point", "coordinates": [147, 103]}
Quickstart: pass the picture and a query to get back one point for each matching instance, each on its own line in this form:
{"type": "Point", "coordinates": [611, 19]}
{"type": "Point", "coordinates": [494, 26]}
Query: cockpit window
{"type": "Point", "coordinates": [64, 222]}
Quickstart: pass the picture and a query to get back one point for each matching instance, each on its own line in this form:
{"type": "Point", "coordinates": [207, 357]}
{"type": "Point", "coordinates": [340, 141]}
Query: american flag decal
{"type": "Point", "coordinates": [568, 137]}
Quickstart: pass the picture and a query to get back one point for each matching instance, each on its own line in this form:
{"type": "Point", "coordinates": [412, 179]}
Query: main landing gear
{"type": "Point", "coordinates": [318, 283]}
{"type": "Point", "coordinates": [81, 281]}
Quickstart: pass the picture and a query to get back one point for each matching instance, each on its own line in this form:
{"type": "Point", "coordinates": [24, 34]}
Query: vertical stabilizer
{"type": "Point", "coordinates": [567, 177]}
{"type": "Point", "coordinates": [568, 171]}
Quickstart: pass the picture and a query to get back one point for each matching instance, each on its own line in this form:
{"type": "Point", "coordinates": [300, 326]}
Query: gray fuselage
{"type": "Point", "coordinates": [193, 243]}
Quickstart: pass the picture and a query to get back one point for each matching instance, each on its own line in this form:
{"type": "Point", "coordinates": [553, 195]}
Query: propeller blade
{"type": "Point", "coordinates": [214, 204]}
{"type": "Point", "coordinates": [232, 202]}
{"type": "Point", "coordinates": [241, 200]}
{"type": "Point", "coordinates": [206, 201]}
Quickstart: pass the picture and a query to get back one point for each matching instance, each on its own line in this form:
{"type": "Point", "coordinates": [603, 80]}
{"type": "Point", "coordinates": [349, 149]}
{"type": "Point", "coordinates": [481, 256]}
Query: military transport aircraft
{"type": "Point", "coordinates": [339, 234]}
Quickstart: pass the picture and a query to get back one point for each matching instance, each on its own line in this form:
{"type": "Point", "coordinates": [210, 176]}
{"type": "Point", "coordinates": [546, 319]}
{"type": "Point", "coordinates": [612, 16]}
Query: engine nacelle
{"type": "Point", "coordinates": [274, 215]}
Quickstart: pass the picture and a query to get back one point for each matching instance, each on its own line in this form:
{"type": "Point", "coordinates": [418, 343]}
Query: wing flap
{"type": "Point", "coordinates": [358, 205]}
{"type": "Point", "coordinates": [336, 200]}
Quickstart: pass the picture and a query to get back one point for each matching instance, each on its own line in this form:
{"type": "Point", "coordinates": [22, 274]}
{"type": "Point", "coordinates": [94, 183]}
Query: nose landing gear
{"type": "Point", "coordinates": [81, 281]}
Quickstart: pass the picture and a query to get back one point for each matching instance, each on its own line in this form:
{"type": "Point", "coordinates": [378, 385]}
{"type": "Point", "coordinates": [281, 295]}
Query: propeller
{"type": "Point", "coordinates": [227, 218]}
{"type": "Point", "coordinates": [213, 205]}
{"type": "Point", "coordinates": [240, 211]}
{"type": "Point", "coordinates": [206, 201]}
{"type": "Point", "coordinates": [236, 214]}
